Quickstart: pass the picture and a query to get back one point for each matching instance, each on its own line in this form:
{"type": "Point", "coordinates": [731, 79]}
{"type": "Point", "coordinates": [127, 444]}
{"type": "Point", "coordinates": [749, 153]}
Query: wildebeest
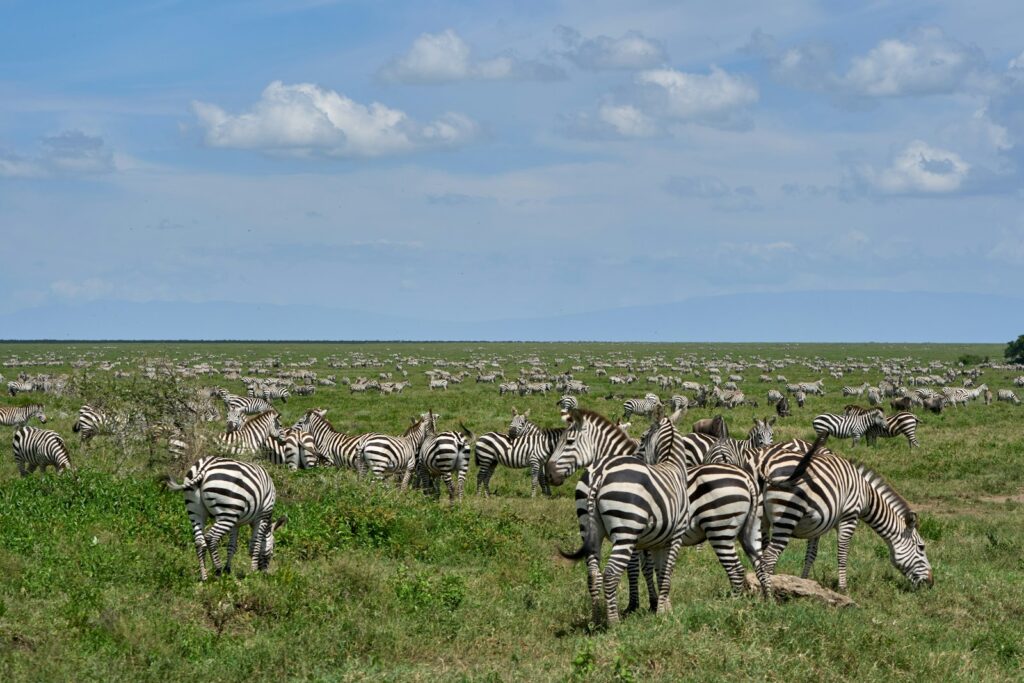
{"type": "Point", "coordinates": [935, 404]}
{"type": "Point", "coordinates": [782, 407]}
{"type": "Point", "coordinates": [715, 426]}
{"type": "Point", "coordinates": [902, 403]}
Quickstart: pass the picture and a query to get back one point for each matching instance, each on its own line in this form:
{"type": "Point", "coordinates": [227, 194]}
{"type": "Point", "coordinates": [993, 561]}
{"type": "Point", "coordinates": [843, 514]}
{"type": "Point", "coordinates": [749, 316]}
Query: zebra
{"type": "Point", "coordinates": [491, 449]}
{"type": "Point", "coordinates": [640, 406]}
{"type": "Point", "coordinates": [382, 453]}
{"type": "Point", "coordinates": [341, 450]}
{"type": "Point", "coordinates": [529, 446]}
{"type": "Point", "coordinates": [679, 402]}
{"type": "Point", "coordinates": [250, 405]}
{"type": "Point", "coordinates": [774, 396]}
{"type": "Point", "coordinates": [444, 455]}
{"type": "Point", "coordinates": [508, 388]}
{"type": "Point", "coordinates": [567, 403]}
{"type": "Point", "coordinates": [817, 387]}
{"type": "Point", "coordinates": [728, 450]}
{"type": "Point", "coordinates": [18, 416]}
{"type": "Point", "coordinates": [782, 407]}
{"type": "Point", "coordinates": [91, 422]}
{"type": "Point", "coordinates": [899, 423]}
{"type": "Point", "coordinates": [295, 448]}
{"type": "Point", "coordinates": [639, 507]}
{"type": "Point", "coordinates": [250, 437]}
{"type": "Point", "coordinates": [232, 493]}
{"type": "Point", "coordinates": [1008, 396]}
{"type": "Point", "coordinates": [855, 391]}
{"type": "Point", "coordinates": [270, 393]}
{"type": "Point", "coordinates": [824, 492]}
{"type": "Point", "coordinates": [15, 386]}
{"type": "Point", "coordinates": [849, 426]}
{"type": "Point", "coordinates": [957, 396]}
{"type": "Point", "coordinates": [34, 447]}
{"type": "Point", "coordinates": [800, 397]}
{"type": "Point", "coordinates": [438, 384]}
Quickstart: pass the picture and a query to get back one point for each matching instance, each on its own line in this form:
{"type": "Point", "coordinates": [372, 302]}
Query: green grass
{"type": "Point", "coordinates": [98, 576]}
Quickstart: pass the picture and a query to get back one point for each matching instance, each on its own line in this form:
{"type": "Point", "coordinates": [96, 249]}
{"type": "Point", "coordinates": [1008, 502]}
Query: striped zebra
{"type": "Point", "coordinates": [295, 448]}
{"type": "Point", "coordinates": [492, 449]}
{"type": "Point", "coordinates": [531, 447]}
{"type": "Point", "coordinates": [34, 447]}
{"type": "Point", "coordinates": [16, 386]}
{"type": "Point", "coordinates": [446, 456]}
{"type": "Point", "coordinates": [342, 450]}
{"type": "Point", "coordinates": [250, 437]}
{"type": "Point", "coordinates": [640, 406]}
{"type": "Point", "coordinates": [855, 391]}
{"type": "Point", "coordinates": [899, 423]}
{"type": "Point", "coordinates": [1001, 395]}
{"type": "Point", "coordinates": [825, 492]}
{"type": "Point", "coordinates": [91, 422]}
{"type": "Point", "coordinates": [957, 396]}
{"type": "Point", "coordinates": [438, 384]}
{"type": "Point", "coordinates": [18, 416]}
{"type": "Point", "coordinates": [640, 507]}
{"type": "Point", "coordinates": [270, 393]}
{"type": "Point", "coordinates": [508, 388]}
{"type": "Point", "coordinates": [232, 493]}
{"type": "Point", "coordinates": [679, 402]}
{"type": "Point", "coordinates": [382, 454]}
{"type": "Point", "coordinates": [567, 403]}
{"type": "Point", "coordinates": [817, 388]}
{"type": "Point", "coordinates": [729, 450]}
{"type": "Point", "coordinates": [774, 396]}
{"type": "Point", "coordinates": [849, 426]}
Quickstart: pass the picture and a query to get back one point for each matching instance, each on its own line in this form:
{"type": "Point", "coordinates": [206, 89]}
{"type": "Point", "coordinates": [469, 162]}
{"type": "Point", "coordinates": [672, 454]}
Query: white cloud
{"type": "Point", "coordinates": [306, 119]}
{"type": "Point", "coordinates": [925, 63]}
{"type": "Point", "coordinates": [627, 120]}
{"type": "Point", "coordinates": [70, 152]}
{"type": "Point", "coordinates": [632, 50]}
{"type": "Point", "coordinates": [919, 168]}
{"type": "Point", "coordinates": [445, 57]}
{"type": "Point", "coordinates": [715, 98]}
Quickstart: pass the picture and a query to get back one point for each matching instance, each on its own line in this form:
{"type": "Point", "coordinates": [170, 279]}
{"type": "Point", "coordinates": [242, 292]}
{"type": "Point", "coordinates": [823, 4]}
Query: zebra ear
{"type": "Point", "coordinates": [911, 519]}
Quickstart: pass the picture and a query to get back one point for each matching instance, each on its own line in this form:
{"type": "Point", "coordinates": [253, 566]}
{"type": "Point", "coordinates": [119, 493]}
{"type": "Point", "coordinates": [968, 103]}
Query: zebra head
{"type": "Point", "coordinates": [877, 418]}
{"type": "Point", "coordinates": [572, 450]}
{"type": "Point", "coordinates": [518, 424]}
{"type": "Point", "coordinates": [267, 549]}
{"type": "Point", "coordinates": [906, 551]}
{"type": "Point", "coordinates": [761, 433]}
{"type": "Point", "coordinates": [235, 420]}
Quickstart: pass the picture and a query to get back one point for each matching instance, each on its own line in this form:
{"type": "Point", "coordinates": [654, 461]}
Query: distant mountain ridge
{"type": "Point", "coordinates": [823, 316]}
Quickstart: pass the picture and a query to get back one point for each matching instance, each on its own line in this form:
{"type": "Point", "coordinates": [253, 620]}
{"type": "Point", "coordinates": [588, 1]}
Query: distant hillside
{"type": "Point", "coordinates": [793, 316]}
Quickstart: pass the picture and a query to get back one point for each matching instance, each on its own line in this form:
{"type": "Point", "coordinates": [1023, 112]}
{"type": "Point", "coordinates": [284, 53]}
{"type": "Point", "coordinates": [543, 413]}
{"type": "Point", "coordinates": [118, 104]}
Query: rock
{"type": "Point", "coordinates": [787, 587]}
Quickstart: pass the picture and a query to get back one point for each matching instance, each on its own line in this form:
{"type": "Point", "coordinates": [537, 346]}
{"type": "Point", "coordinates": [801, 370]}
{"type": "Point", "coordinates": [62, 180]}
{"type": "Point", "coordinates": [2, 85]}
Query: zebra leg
{"type": "Point", "coordinates": [617, 562]}
{"type": "Point", "coordinates": [232, 547]}
{"type": "Point", "coordinates": [633, 579]}
{"type": "Point", "coordinates": [213, 536]}
{"type": "Point", "coordinates": [665, 560]}
{"type": "Point", "coordinates": [652, 589]}
{"type": "Point", "coordinates": [483, 478]}
{"type": "Point", "coordinates": [200, 541]}
{"type": "Point", "coordinates": [447, 477]}
{"type": "Point", "coordinates": [545, 487]}
{"type": "Point", "coordinates": [406, 476]}
{"type": "Point", "coordinates": [258, 542]}
{"type": "Point", "coordinates": [770, 557]}
{"type": "Point", "coordinates": [730, 561]}
{"type": "Point", "coordinates": [461, 484]}
{"type": "Point", "coordinates": [534, 477]}
{"type": "Point", "coordinates": [812, 554]}
{"type": "Point", "coordinates": [595, 585]}
{"type": "Point", "coordinates": [846, 529]}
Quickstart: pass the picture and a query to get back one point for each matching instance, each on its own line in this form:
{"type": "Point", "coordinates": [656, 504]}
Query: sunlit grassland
{"type": "Point", "coordinates": [98, 576]}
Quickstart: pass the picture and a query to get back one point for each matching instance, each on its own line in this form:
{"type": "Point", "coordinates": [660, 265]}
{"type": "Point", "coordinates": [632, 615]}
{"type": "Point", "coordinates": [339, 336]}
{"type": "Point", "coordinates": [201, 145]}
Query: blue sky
{"type": "Point", "coordinates": [489, 160]}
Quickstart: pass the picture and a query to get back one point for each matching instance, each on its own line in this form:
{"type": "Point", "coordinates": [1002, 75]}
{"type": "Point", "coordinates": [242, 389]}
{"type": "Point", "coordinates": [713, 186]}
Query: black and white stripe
{"type": "Point", "coordinates": [895, 425]}
{"type": "Point", "coordinates": [16, 386]}
{"type": "Point", "coordinates": [823, 492]}
{"type": "Point", "coordinates": [531, 447]}
{"type": "Point", "coordinates": [295, 448]}
{"type": "Point", "coordinates": [1008, 396]}
{"type": "Point", "coordinates": [250, 437]}
{"type": "Point", "coordinates": [382, 454]}
{"type": "Point", "coordinates": [91, 422]}
{"type": "Point", "coordinates": [340, 449]}
{"type": "Point", "coordinates": [17, 416]}
{"type": "Point", "coordinates": [34, 447]}
{"type": "Point", "coordinates": [640, 406]}
{"type": "Point", "coordinates": [232, 494]}
{"type": "Point", "coordinates": [849, 426]}
{"type": "Point", "coordinates": [446, 456]}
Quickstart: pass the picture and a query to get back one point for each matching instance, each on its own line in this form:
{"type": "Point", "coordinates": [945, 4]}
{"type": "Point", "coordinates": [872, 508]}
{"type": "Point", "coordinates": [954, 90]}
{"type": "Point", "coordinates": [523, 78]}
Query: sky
{"type": "Point", "coordinates": [477, 161]}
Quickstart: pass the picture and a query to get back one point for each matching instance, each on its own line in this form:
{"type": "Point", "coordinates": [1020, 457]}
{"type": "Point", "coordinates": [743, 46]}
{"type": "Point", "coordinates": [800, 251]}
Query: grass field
{"type": "Point", "coordinates": [99, 580]}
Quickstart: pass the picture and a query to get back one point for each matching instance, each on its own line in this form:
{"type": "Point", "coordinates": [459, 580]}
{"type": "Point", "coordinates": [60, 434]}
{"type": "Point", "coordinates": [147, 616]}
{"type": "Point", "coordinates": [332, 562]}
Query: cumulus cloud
{"type": "Point", "coordinates": [924, 62]}
{"type": "Point", "coordinates": [627, 121]}
{"type": "Point", "coordinates": [445, 57]}
{"type": "Point", "coordinates": [70, 152]}
{"type": "Point", "coordinates": [717, 98]}
{"type": "Point", "coordinates": [306, 119]}
{"type": "Point", "coordinates": [632, 50]}
{"type": "Point", "coordinates": [918, 169]}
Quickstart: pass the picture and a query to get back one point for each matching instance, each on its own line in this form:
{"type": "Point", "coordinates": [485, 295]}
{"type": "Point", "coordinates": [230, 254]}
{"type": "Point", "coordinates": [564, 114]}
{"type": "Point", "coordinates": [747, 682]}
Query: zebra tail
{"type": "Point", "coordinates": [173, 485]}
{"type": "Point", "coordinates": [750, 537]}
{"type": "Point", "coordinates": [77, 427]}
{"type": "Point", "coordinates": [591, 542]}
{"type": "Point", "coordinates": [801, 467]}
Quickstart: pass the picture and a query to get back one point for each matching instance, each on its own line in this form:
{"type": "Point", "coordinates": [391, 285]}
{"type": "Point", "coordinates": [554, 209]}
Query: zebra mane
{"type": "Point", "coordinates": [314, 411]}
{"type": "Point", "coordinates": [580, 414]}
{"type": "Point", "coordinates": [881, 486]}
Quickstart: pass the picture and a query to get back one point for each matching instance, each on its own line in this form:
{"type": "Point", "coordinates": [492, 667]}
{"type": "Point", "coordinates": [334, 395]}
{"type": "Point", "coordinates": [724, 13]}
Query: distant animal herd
{"type": "Point", "coordinates": [648, 496]}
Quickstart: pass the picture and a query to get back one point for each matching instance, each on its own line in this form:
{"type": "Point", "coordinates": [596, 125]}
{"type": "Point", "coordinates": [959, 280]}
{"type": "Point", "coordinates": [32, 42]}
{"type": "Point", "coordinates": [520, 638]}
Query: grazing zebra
{"type": "Point", "coordinates": [232, 493]}
{"type": "Point", "coordinates": [438, 384]}
{"type": "Point", "coordinates": [874, 397]}
{"type": "Point", "coordinates": [341, 450]}
{"type": "Point", "coordinates": [250, 437]}
{"type": "Point", "coordinates": [382, 453]}
{"type": "Point", "coordinates": [270, 393]}
{"type": "Point", "coordinates": [849, 426]}
{"type": "Point", "coordinates": [640, 507]}
{"type": "Point", "coordinates": [957, 396]}
{"type": "Point", "coordinates": [529, 446]}
{"type": "Point", "coordinates": [825, 492]}
{"type": "Point", "coordinates": [304, 390]}
{"type": "Point", "coordinates": [249, 405]}
{"type": "Point", "coordinates": [800, 398]}
{"type": "Point", "coordinates": [640, 406]}
{"type": "Point", "coordinates": [855, 391]}
{"type": "Point", "coordinates": [508, 388]}
{"type": "Point", "coordinates": [18, 416]}
{"type": "Point", "coordinates": [295, 448]}
{"type": "Point", "coordinates": [774, 396]}
{"type": "Point", "coordinates": [34, 447]}
{"type": "Point", "coordinates": [728, 450]}
{"type": "Point", "coordinates": [679, 402]}
{"type": "Point", "coordinates": [91, 422]}
{"type": "Point", "coordinates": [14, 386]}
{"type": "Point", "coordinates": [1008, 396]}
{"type": "Point", "coordinates": [899, 423]}
{"type": "Point", "coordinates": [444, 455]}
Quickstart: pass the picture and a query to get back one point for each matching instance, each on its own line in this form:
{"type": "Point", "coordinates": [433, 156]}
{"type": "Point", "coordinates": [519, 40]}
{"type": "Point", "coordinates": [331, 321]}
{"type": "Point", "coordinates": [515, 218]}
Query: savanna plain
{"type": "Point", "coordinates": [99, 579]}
